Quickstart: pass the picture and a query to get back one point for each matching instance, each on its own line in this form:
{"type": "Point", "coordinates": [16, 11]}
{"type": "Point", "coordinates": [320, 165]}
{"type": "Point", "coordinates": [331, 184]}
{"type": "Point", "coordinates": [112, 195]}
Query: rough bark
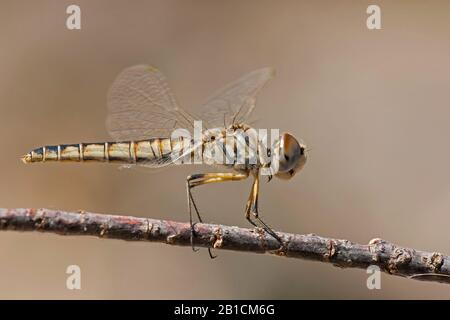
{"type": "Point", "coordinates": [390, 258]}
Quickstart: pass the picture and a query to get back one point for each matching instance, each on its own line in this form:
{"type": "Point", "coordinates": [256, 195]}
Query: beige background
{"type": "Point", "coordinates": [373, 105]}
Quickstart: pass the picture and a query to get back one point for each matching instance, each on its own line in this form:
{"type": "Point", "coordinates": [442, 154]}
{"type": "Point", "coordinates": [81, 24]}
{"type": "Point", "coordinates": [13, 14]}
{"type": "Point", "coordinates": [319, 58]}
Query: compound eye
{"type": "Point", "coordinates": [302, 151]}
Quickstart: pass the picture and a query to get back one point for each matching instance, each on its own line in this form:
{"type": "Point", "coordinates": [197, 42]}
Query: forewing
{"type": "Point", "coordinates": [177, 155]}
{"type": "Point", "coordinates": [234, 103]}
{"type": "Point", "coordinates": [141, 106]}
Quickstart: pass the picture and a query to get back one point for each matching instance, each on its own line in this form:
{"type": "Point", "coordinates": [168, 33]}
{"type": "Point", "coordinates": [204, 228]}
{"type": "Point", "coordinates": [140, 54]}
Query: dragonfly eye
{"type": "Point", "coordinates": [292, 157]}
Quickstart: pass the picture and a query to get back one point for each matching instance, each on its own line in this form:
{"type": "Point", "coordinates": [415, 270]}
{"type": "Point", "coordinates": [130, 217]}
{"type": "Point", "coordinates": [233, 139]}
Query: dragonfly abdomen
{"type": "Point", "coordinates": [127, 152]}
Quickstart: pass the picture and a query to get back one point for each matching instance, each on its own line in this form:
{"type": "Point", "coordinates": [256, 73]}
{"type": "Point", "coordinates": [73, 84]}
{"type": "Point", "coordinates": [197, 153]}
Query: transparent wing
{"type": "Point", "coordinates": [176, 156]}
{"type": "Point", "coordinates": [170, 159]}
{"type": "Point", "coordinates": [141, 106]}
{"type": "Point", "coordinates": [234, 103]}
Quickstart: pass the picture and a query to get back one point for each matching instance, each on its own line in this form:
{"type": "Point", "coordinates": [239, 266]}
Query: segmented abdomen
{"type": "Point", "coordinates": [128, 152]}
{"type": "Point", "coordinates": [239, 150]}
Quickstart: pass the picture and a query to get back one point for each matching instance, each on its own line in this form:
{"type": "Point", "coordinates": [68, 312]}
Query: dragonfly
{"type": "Point", "coordinates": [143, 114]}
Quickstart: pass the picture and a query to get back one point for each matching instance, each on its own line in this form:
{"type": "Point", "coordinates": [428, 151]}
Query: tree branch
{"type": "Point", "coordinates": [389, 257]}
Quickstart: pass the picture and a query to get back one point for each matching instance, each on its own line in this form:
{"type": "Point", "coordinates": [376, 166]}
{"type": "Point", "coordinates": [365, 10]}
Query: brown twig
{"type": "Point", "coordinates": [389, 257]}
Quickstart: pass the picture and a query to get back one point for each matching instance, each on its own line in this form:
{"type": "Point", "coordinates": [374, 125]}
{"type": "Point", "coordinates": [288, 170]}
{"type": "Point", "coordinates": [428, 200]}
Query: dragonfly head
{"type": "Point", "coordinates": [292, 156]}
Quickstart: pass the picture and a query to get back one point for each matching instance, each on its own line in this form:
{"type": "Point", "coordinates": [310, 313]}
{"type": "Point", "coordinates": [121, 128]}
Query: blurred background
{"type": "Point", "coordinates": [372, 104]}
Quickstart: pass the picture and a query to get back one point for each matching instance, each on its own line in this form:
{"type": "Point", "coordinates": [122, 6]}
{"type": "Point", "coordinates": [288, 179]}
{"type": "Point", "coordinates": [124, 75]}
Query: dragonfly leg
{"type": "Point", "coordinates": [252, 209]}
{"type": "Point", "coordinates": [198, 180]}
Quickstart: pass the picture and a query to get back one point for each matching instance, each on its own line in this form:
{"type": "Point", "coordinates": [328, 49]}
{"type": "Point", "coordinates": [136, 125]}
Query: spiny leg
{"type": "Point", "coordinates": [190, 199]}
{"type": "Point", "coordinates": [252, 208]}
{"type": "Point", "coordinates": [204, 178]}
